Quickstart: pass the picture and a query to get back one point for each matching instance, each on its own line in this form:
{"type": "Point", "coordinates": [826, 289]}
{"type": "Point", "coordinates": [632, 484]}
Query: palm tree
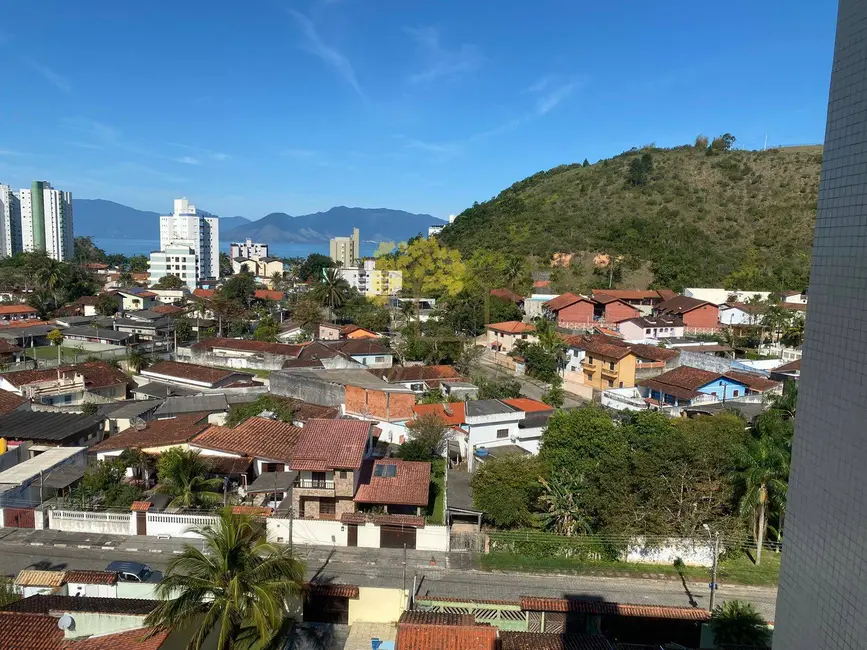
{"type": "Point", "coordinates": [140, 460]}
{"type": "Point", "coordinates": [513, 271]}
{"type": "Point", "coordinates": [331, 291]}
{"type": "Point", "coordinates": [182, 474]}
{"type": "Point", "coordinates": [137, 360]}
{"type": "Point", "coordinates": [561, 502]}
{"type": "Point", "coordinates": [43, 303]}
{"type": "Point", "coordinates": [737, 623]}
{"type": "Point", "coordinates": [793, 335]}
{"type": "Point", "coordinates": [787, 402]}
{"type": "Point", "coordinates": [200, 307]}
{"type": "Point", "coordinates": [236, 589]}
{"type": "Point", "coordinates": [276, 280]}
{"type": "Point", "coordinates": [763, 475]}
{"type": "Point", "coordinates": [51, 277]}
{"type": "Point", "coordinates": [126, 279]}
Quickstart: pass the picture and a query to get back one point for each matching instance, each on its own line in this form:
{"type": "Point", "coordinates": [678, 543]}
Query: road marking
{"type": "Point", "coordinates": [108, 548]}
{"type": "Point", "coordinates": [132, 550]}
{"type": "Point", "coordinates": [60, 545]}
{"type": "Point", "coordinates": [156, 550]}
{"type": "Point", "coordinates": [80, 545]}
{"type": "Point", "coordinates": [36, 544]}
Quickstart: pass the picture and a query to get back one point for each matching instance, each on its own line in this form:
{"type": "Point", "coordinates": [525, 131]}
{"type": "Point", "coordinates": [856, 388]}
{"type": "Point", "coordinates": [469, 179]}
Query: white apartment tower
{"type": "Point", "coordinates": [46, 221]}
{"type": "Point", "coordinates": [186, 227]}
{"type": "Point", "coordinates": [10, 222]}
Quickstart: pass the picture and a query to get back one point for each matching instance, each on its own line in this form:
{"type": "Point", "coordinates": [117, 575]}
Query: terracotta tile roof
{"type": "Point", "coordinates": [43, 604]}
{"type": "Point", "coordinates": [248, 346]}
{"type": "Point", "coordinates": [10, 401]}
{"type": "Point", "coordinates": [34, 578]}
{"type": "Point", "coordinates": [417, 617]}
{"type": "Point", "coordinates": [204, 293]}
{"type": "Point", "coordinates": [540, 284]}
{"type": "Point", "coordinates": [158, 433]}
{"type": "Point", "coordinates": [17, 309]}
{"type": "Point", "coordinates": [549, 641]}
{"type": "Point", "coordinates": [257, 437]}
{"type": "Point", "coordinates": [191, 371]}
{"type": "Point", "coordinates": [29, 322]}
{"type": "Point", "coordinates": [120, 641]}
{"type": "Point", "coordinates": [229, 464]}
{"type": "Point", "coordinates": [91, 577]}
{"type": "Point", "coordinates": [450, 413]}
{"type": "Point", "coordinates": [140, 506]}
{"type": "Point", "coordinates": [357, 346]}
{"type": "Point", "coordinates": [444, 637]}
{"type": "Point", "coordinates": [598, 345]}
{"type": "Point", "coordinates": [755, 382]}
{"type": "Point", "coordinates": [167, 309]}
{"type": "Point", "coordinates": [97, 374]}
{"type": "Point", "coordinates": [789, 367]}
{"type": "Point", "coordinates": [680, 305]}
{"type": "Point", "coordinates": [653, 352]}
{"type": "Point", "coordinates": [333, 590]}
{"type": "Point", "coordinates": [577, 605]}
{"type": "Point", "coordinates": [526, 404]}
{"type": "Point", "coordinates": [409, 486]}
{"type": "Point", "coordinates": [252, 511]}
{"type": "Point", "coordinates": [747, 308]}
{"type": "Point", "coordinates": [8, 348]}
{"type": "Point", "coordinates": [331, 444]}
{"type": "Point", "coordinates": [512, 327]}
{"type": "Point", "coordinates": [399, 520]}
{"type": "Point", "coordinates": [352, 328]}
{"type": "Point", "coordinates": [682, 382]}
{"type": "Point", "coordinates": [507, 294]}
{"type": "Point", "coordinates": [563, 301]}
{"type": "Point", "coordinates": [265, 294]}
{"type": "Point", "coordinates": [399, 374]}
{"type": "Point", "coordinates": [29, 632]}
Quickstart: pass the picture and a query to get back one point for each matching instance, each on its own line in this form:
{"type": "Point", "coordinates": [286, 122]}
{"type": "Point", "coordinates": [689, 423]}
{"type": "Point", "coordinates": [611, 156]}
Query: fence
{"type": "Point", "coordinates": [176, 525]}
{"type": "Point", "coordinates": [109, 523]}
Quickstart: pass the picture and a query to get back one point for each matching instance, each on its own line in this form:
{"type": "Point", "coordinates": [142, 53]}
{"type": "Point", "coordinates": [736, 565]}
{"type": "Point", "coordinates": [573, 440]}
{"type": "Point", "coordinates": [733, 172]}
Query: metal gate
{"type": "Point", "coordinates": [19, 518]}
{"type": "Point", "coordinates": [465, 542]}
{"type": "Point", "coordinates": [396, 537]}
{"type": "Point", "coordinates": [326, 609]}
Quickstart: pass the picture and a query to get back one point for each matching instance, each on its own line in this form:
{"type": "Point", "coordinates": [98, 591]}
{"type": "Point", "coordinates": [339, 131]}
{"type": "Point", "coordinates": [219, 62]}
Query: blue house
{"type": "Point", "coordinates": [685, 386]}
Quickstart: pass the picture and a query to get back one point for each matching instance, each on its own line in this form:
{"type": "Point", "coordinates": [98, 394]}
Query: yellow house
{"type": "Point", "coordinates": [503, 336]}
{"type": "Point", "coordinates": [605, 365]}
{"type": "Point", "coordinates": [384, 283]}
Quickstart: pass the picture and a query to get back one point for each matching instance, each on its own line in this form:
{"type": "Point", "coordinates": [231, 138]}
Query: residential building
{"type": "Point", "coordinates": [247, 249]}
{"type": "Point", "coordinates": [604, 364]}
{"type": "Point", "coordinates": [652, 327]}
{"type": "Point", "coordinates": [174, 259]}
{"type": "Point", "coordinates": [502, 337]}
{"type": "Point", "coordinates": [240, 353]}
{"type": "Point", "coordinates": [744, 314]}
{"type": "Point", "coordinates": [53, 428]}
{"type": "Point", "coordinates": [790, 371]}
{"type": "Point", "coordinates": [153, 437]}
{"type": "Point", "coordinates": [344, 353]}
{"type": "Point", "coordinates": [195, 376]}
{"type": "Point", "coordinates": [433, 231]}
{"type": "Point", "coordinates": [720, 296]}
{"type": "Point", "coordinates": [187, 228]}
{"type": "Point", "coordinates": [46, 221]}
{"type": "Point", "coordinates": [146, 324]}
{"type": "Point", "coordinates": [10, 222]}
{"type": "Point", "coordinates": [644, 300]}
{"type": "Point", "coordinates": [417, 378]}
{"type": "Point", "coordinates": [67, 384]}
{"type": "Point", "coordinates": [370, 281]}
{"type": "Point", "coordinates": [534, 305]}
{"type": "Point", "coordinates": [493, 426]}
{"type": "Point", "coordinates": [88, 334]}
{"type": "Point", "coordinates": [346, 251]}
{"type": "Point", "coordinates": [572, 311]}
{"type": "Point", "coordinates": [18, 313]}
{"type": "Point", "coordinates": [262, 268]}
{"type": "Point", "coordinates": [334, 332]}
{"type": "Point", "coordinates": [699, 316]}
{"type": "Point", "coordinates": [687, 386]}
{"type": "Point", "coordinates": [134, 298]}
{"type": "Point", "coordinates": [794, 297]}
{"type": "Point", "coordinates": [21, 485]}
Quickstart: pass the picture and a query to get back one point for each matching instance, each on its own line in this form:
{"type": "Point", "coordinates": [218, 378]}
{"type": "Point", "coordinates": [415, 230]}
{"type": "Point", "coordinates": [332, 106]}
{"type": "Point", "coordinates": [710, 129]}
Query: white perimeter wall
{"type": "Point", "coordinates": [107, 523]}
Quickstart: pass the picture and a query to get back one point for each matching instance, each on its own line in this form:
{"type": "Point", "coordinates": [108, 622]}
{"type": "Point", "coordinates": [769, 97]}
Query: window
{"type": "Point", "coordinates": [621, 384]}
{"type": "Point", "coordinates": [610, 383]}
{"type": "Point", "coordinates": [379, 359]}
{"type": "Point", "coordinates": [611, 365]}
{"type": "Point", "coordinates": [502, 433]}
{"type": "Point", "coordinates": [327, 507]}
{"type": "Point", "coordinates": [737, 392]}
{"type": "Point", "coordinates": [589, 359]}
{"type": "Point", "coordinates": [523, 337]}
{"type": "Point", "coordinates": [343, 473]}
{"type": "Point", "coordinates": [647, 331]}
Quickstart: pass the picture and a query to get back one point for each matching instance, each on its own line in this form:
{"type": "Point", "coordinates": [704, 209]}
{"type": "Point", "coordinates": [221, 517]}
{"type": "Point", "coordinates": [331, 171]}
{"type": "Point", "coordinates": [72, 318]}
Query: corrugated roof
{"type": "Point", "coordinates": [549, 641]}
{"type": "Point", "coordinates": [334, 590]}
{"type": "Point", "coordinates": [562, 301]}
{"type": "Point", "coordinates": [43, 604]}
{"type": "Point", "coordinates": [211, 403]}
{"type": "Point", "coordinates": [48, 426]}
{"type": "Point", "coordinates": [755, 382]}
{"type": "Point", "coordinates": [34, 578]}
{"type": "Point", "coordinates": [680, 305]}
{"type": "Point", "coordinates": [435, 618]}
{"type": "Point", "coordinates": [97, 374]}
{"type": "Point", "coordinates": [482, 407]}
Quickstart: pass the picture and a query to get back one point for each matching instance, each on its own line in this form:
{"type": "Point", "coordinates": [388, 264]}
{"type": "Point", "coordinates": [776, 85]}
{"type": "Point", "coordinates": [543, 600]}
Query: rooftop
{"type": "Point", "coordinates": [91, 577]}
{"type": "Point", "coordinates": [512, 327]}
{"type": "Point", "coordinates": [682, 382]}
{"type": "Point", "coordinates": [158, 433]}
{"type": "Point", "coordinates": [527, 405]}
{"type": "Point", "coordinates": [446, 637]}
{"type": "Point", "coordinates": [242, 345]}
{"type": "Point", "coordinates": [680, 305]}
{"type": "Point", "coordinates": [331, 444]}
{"type": "Point", "coordinates": [345, 376]}
{"type": "Point", "coordinates": [97, 374]}
{"type": "Point", "coordinates": [598, 345]}
{"type": "Point", "coordinates": [20, 632]}
{"type": "Point", "coordinates": [636, 294]}
{"type": "Point", "coordinates": [10, 401]}
{"type": "Point", "coordinates": [562, 301]}
{"type": "Point", "coordinates": [258, 437]}
{"type": "Point", "coordinates": [43, 604]}
{"type": "Point", "coordinates": [587, 606]}
{"type": "Point", "coordinates": [460, 491]}
{"type": "Point", "coordinates": [17, 309]}
{"type": "Point", "coordinates": [450, 412]}
{"type": "Point", "coordinates": [399, 374]}
{"type": "Point", "coordinates": [158, 390]}
{"type": "Point", "coordinates": [792, 366]}
{"type": "Point", "coordinates": [92, 332]}
{"type": "Point", "coordinates": [191, 372]}
{"type": "Point", "coordinates": [47, 460]}
{"type": "Point", "coordinates": [507, 294]}
{"type": "Point", "coordinates": [394, 482]}
{"type": "Point", "coordinates": [554, 641]}
{"type": "Point", "coordinates": [483, 407]}
{"type": "Point", "coordinates": [46, 425]}
{"type": "Point", "coordinates": [34, 578]}
{"type": "Point", "coordinates": [650, 322]}
{"type": "Point", "coordinates": [213, 403]}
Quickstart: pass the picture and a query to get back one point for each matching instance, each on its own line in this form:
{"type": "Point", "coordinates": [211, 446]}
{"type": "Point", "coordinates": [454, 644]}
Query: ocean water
{"type": "Point", "coordinates": [280, 249]}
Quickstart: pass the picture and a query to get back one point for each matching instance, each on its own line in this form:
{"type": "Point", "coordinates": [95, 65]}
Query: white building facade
{"type": "Point", "coordinates": [10, 222]}
{"type": "Point", "coordinates": [174, 260]}
{"type": "Point", "coordinates": [186, 229]}
{"type": "Point", "coordinates": [248, 249]}
{"type": "Point", "coordinates": [46, 221]}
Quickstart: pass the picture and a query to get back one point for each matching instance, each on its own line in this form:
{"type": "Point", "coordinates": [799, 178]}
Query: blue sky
{"type": "Point", "coordinates": [261, 106]}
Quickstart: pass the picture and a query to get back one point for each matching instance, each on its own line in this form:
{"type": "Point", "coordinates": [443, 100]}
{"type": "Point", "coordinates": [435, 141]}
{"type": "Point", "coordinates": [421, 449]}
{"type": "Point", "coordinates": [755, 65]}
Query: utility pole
{"type": "Point", "coordinates": [404, 567]}
{"type": "Point", "coordinates": [713, 572]}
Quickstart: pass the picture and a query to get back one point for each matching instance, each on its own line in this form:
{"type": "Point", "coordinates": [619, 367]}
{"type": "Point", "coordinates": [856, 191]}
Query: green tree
{"type": "Point", "coordinates": [42, 302]}
{"type": "Point", "coordinates": [137, 360]}
{"type": "Point", "coordinates": [182, 475]}
{"type": "Point", "coordinates": [561, 502]}
{"type": "Point", "coordinates": [281, 407]}
{"type": "Point", "coordinates": [225, 265]}
{"type": "Point", "coordinates": [106, 304]}
{"type": "Point", "coordinates": [429, 268]}
{"type": "Point", "coordinates": [52, 277]}
{"type": "Point", "coordinates": [331, 292]}
{"type": "Point", "coordinates": [239, 290]}
{"type": "Point", "coordinates": [793, 335]}
{"type": "Point", "coordinates": [55, 337]}
{"type": "Point", "coordinates": [138, 264]}
{"type": "Point", "coordinates": [266, 330]}
{"type": "Point", "coordinates": [236, 589]}
{"type": "Point", "coordinates": [126, 279]}
{"type": "Point", "coordinates": [505, 388]}
{"type": "Point", "coordinates": [555, 395]}
{"type": "Point", "coordinates": [307, 314]}
{"type": "Point", "coordinates": [311, 269]}
{"type": "Point", "coordinates": [183, 329]}
{"type": "Point", "coordinates": [427, 438]}
{"type": "Point", "coordinates": [170, 281]}
{"type": "Point", "coordinates": [586, 163]}
{"type": "Point", "coordinates": [736, 623]}
{"type": "Point", "coordinates": [507, 489]}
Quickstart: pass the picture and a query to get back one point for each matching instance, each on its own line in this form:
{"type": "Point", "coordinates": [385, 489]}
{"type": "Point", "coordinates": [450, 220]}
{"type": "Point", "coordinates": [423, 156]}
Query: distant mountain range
{"type": "Point", "coordinates": [100, 218]}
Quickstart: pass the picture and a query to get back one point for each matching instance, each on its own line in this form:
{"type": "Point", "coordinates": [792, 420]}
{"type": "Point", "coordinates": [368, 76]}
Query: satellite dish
{"type": "Point", "coordinates": [139, 424]}
{"type": "Point", "coordinates": [66, 622]}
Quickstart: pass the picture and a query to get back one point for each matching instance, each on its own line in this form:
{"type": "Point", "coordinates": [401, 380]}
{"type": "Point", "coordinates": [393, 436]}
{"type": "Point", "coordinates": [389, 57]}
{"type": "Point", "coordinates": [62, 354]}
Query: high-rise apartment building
{"type": "Point", "coordinates": [822, 601]}
{"type": "Point", "coordinates": [248, 249]}
{"type": "Point", "coordinates": [46, 221]}
{"type": "Point", "coordinates": [346, 251]}
{"type": "Point", "coordinates": [186, 227]}
{"type": "Point", "coordinates": [10, 222]}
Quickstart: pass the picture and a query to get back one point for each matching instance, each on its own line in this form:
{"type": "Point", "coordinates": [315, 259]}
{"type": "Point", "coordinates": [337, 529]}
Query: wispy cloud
{"type": "Point", "coordinates": [314, 44]}
{"type": "Point", "coordinates": [104, 133]}
{"type": "Point", "coordinates": [442, 63]}
{"type": "Point", "coordinates": [57, 80]}
{"type": "Point", "coordinates": [441, 148]}
{"type": "Point", "coordinates": [85, 145]}
{"type": "Point", "coordinates": [199, 152]}
{"type": "Point", "coordinates": [188, 160]}
{"type": "Point", "coordinates": [551, 91]}
{"type": "Point", "coordinates": [540, 85]}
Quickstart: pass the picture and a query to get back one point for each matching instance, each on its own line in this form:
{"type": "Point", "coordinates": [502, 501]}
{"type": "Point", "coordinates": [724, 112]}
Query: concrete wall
{"type": "Point", "coordinates": [107, 523]}
{"type": "Point", "coordinates": [144, 590]}
{"type": "Point", "coordinates": [704, 361]}
{"type": "Point", "coordinates": [307, 532]}
{"type": "Point", "coordinates": [432, 538]}
{"type": "Point", "coordinates": [96, 624]}
{"type": "Point", "coordinates": [159, 523]}
{"type": "Point", "coordinates": [97, 591]}
{"type": "Point", "coordinates": [379, 404]}
{"type": "Point", "coordinates": [241, 360]}
{"type": "Point", "coordinates": [377, 605]}
{"type": "Point", "coordinates": [368, 536]}
{"type": "Point", "coordinates": [308, 389]}
{"type": "Point", "coordinates": [690, 552]}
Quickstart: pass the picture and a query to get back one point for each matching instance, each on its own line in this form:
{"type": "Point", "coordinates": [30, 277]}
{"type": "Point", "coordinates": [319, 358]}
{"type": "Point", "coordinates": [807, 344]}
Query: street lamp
{"type": "Point", "coordinates": [714, 544]}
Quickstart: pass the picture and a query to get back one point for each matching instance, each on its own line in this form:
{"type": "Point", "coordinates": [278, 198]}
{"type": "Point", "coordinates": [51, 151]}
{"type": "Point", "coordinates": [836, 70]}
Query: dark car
{"type": "Point", "coordinates": [134, 572]}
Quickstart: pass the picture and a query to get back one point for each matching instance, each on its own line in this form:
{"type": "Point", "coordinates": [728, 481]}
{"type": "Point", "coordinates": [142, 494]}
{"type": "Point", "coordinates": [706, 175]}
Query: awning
{"type": "Point", "coordinates": [62, 477]}
{"type": "Point", "coordinates": [272, 482]}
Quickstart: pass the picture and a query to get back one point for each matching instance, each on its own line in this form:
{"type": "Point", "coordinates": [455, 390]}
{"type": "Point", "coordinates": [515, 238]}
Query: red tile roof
{"type": "Point", "coordinates": [140, 506]}
{"type": "Point", "coordinates": [562, 301]}
{"type": "Point", "coordinates": [409, 486]}
{"type": "Point", "coordinates": [97, 374]}
{"type": "Point", "coordinates": [680, 305]}
{"type": "Point", "coordinates": [10, 401]}
{"type": "Point", "coordinates": [8, 348]}
{"type": "Point", "coordinates": [526, 404]}
{"type": "Point", "coordinates": [167, 309]}
{"type": "Point", "coordinates": [576, 605]}
{"type": "Point", "coordinates": [266, 294]}
{"type": "Point", "coordinates": [20, 631]}
{"type": "Point", "coordinates": [512, 327]}
{"type": "Point", "coordinates": [540, 284]}
{"type": "Point", "coordinates": [248, 346]}
{"type": "Point", "coordinates": [416, 521]}
{"type": "Point", "coordinates": [91, 577]}
{"type": "Point", "coordinates": [399, 374]}
{"type": "Point", "coordinates": [682, 382]}
{"type": "Point", "coordinates": [17, 309]}
{"type": "Point", "coordinates": [261, 438]}
{"type": "Point", "coordinates": [446, 637]}
{"type": "Point", "coordinates": [551, 641]}
{"type": "Point", "coordinates": [450, 413]}
{"type": "Point", "coordinates": [419, 617]}
{"type": "Point", "coordinates": [331, 444]}
{"type": "Point", "coordinates": [653, 352]}
{"type": "Point", "coordinates": [352, 328]}
{"type": "Point", "coordinates": [789, 367]}
{"type": "Point", "coordinates": [633, 294]}
{"type": "Point", "coordinates": [120, 641]}
{"type": "Point", "coordinates": [192, 372]}
{"type": "Point", "coordinates": [598, 345]}
{"type": "Point", "coordinates": [159, 433]}
{"type": "Point", "coordinates": [334, 590]}
{"type": "Point", "coordinates": [507, 294]}
{"type": "Point", "coordinates": [755, 382]}
{"type": "Point", "coordinates": [204, 293]}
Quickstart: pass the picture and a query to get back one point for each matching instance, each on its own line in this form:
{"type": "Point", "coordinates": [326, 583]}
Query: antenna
{"type": "Point", "coordinates": [66, 622]}
{"type": "Point", "coordinates": [139, 424]}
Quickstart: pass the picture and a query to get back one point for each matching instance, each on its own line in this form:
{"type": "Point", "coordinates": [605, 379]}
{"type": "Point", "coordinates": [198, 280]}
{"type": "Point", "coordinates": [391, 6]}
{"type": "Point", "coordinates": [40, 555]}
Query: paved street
{"type": "Point", "coordinates": [450, 575]}
{"type": "Point", "coordinates": [532, 388]}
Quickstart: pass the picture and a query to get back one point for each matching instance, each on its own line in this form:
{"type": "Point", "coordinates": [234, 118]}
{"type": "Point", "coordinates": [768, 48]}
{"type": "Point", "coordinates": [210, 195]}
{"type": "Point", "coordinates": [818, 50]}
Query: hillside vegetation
{"type": "Point", "coordinates": [689, 215]}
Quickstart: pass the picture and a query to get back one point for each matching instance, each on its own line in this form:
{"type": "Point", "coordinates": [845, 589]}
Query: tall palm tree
{"type": "Point", "coordinates": [182, 475]}
{"type": "Point", "coordinates": [137, 360]}
{"type": "Point", "coordinates": [763, 475]}
{"type": "Point", "coordinates": [200, 307]}
{"type": "Point", "coordinates": [331, 291]}
{"type": "Point", "coordinates": [52, 277]}
{"type": "Point", "coordinates": [513, 271]}
{"type": "Point", "coordinates": [737, 623]}
{"type": "Point", "coordinates": [786, 403]}
{"type": "Point", "coordinates": [563, 512]}
{"type": "Point", "coordinates": [236, 589]}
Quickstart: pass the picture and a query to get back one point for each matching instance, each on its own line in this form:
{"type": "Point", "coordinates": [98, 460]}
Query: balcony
{"type": "Point", "coordinates": [608, 372]}
{"type": "Point", "coordinates": [314, 484]}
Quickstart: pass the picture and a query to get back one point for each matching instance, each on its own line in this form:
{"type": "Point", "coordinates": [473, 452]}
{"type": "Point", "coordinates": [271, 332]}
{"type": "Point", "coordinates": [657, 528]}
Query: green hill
{"type": "Point", "coordinates": [684, 217]}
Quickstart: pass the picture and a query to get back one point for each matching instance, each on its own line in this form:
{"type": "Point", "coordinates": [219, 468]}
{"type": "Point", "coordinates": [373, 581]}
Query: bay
{"type": "Point", "coordinates": [131, 247]}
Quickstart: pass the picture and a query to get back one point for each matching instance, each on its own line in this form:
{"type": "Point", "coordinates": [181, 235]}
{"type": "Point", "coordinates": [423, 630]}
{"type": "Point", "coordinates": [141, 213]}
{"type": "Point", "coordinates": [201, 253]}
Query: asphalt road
{"type": "Point", "coordinates": [451, 575]}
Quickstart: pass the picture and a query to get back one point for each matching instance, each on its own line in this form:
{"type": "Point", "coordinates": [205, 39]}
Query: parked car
{"type": "Point", "coordinates": [134, 572]}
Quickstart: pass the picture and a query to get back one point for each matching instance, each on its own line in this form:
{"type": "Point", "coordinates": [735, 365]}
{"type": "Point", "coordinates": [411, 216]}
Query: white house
{"type": "Point", "coordinates": [740, 313]}
{"type": "Point", "coordinates": [720, 296]}
{"type": "Point", "coordinates": [651, 327]}
{"type": "Point", "coordinates": [492, 423]}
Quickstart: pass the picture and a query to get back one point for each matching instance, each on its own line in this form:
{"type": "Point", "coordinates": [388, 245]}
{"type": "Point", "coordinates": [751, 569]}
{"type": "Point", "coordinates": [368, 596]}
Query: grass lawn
{"type": "Point", "coordinates": [435, 509]}
{"type": "Point", "coordinates": [737, 571]}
